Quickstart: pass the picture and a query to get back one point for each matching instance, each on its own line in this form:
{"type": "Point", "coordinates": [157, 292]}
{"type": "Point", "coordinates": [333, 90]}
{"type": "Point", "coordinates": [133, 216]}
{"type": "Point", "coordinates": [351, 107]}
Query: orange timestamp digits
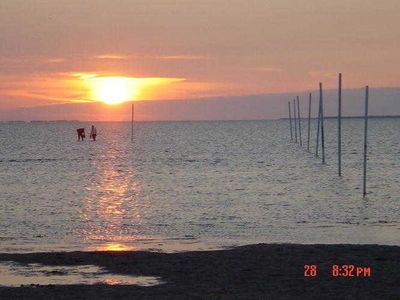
{"type": "Point", "coordinates": [351, 271]}
{"type": "Point", "coordinates": [310, 270]}
{"type": "Point", "coordinates": [340, 271]}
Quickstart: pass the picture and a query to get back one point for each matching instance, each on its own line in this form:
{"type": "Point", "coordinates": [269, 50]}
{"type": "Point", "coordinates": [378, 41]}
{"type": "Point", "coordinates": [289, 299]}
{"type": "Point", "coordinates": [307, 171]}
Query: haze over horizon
{"type": "Point", "coordinates": [65, 59]}
{"type": "Point", "coordinates": [383, 102]}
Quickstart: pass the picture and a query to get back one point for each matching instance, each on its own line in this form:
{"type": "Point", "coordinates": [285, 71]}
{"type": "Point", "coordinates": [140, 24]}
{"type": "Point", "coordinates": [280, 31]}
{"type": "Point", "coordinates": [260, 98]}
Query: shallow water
{"type": "Point", "coordinates": [15, 275]}
{"type": "Point", "coordinates": [194, 184]}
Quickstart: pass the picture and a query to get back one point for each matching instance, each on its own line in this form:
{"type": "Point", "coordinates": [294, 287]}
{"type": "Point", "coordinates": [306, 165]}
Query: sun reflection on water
{"type": "Point", "coordinates": [112, 247]}
{"type": "Point", "coordinates": [111, 211]}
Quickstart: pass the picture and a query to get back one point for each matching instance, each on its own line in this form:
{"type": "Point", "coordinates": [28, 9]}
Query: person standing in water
{"type": "Point", "coordinates": [93, 133]}
{"type": "Point", "coordinates": [81, 133]}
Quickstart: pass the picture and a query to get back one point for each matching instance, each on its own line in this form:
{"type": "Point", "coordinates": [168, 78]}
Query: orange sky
{"type": "Point", "coordinates": [195, 48]}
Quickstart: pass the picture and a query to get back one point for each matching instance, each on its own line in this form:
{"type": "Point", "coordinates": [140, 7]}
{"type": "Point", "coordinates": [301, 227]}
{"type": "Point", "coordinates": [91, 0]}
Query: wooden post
{"type": "Point", "coordinates": [340, 126]}
{"type": "Point", "coordinates": [295, 122]}
{"type": "Point", "coordinates": [133, 112]}
{"type": "Point", "coordinates": [318, 126]}
{"type": "Point", "coordinates": [309, 123]}
{"type": "Point", "coordinates": [322, 124]}
{"type": "Point", "coordinates": [365, 141]}
{"type": "Point", "coordinates": [290, 121]}
{"type": "Point", "coordinates": [299, 118]}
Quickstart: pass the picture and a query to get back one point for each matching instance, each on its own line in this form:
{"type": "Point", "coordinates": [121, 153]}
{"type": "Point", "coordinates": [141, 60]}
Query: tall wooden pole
{"type": "Point", "coordinates": [365, 141]}
{"type": "Point", "coordinates": [318, 126]}
{"type": "Point", "coordinates": [133, 112]}
{"type": "Point", "coordinates": [322, 124]}
{"type": "Point", "coordinates": [309, 123]}
{"type": "Point", "coordinates": [340, 126]}
{"type": "Point", "coordinates": [295, 121]}
{"type": "Point", "coordinates": [290, 121]}
{"type": "Point", "coordinates": [299, 118]}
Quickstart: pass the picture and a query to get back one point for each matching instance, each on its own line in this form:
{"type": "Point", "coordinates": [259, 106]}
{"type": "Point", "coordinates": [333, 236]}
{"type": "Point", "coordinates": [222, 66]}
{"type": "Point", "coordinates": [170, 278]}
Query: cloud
{"type": "Point", "coordinates": [182, 57]}
{"type": "Point", "coordinates": [157, 57]}
{"type": "Point", "coordinates": [268, 69]}
{"type": "Point", "coordinates": [111, 56]}
{"type": "Point", "coordinates": [322, 74]}
{"type": "Point", "coordinates": [82, 75]}
{"type": "Point", "coordinates": [31, 60]}
{"type": "Point", "coordinates": [32, 95]}
{"type": "Point", "coordinates": [55, 60]}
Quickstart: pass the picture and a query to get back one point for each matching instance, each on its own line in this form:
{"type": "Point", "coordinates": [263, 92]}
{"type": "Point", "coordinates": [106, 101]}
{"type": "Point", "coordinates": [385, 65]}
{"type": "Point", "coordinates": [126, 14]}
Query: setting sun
{"type": "Point", "coordinates": [114, 90]}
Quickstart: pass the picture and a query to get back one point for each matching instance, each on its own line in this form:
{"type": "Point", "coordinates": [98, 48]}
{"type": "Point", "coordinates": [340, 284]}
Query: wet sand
{"type": "Point", "coordinates": [263, 271]}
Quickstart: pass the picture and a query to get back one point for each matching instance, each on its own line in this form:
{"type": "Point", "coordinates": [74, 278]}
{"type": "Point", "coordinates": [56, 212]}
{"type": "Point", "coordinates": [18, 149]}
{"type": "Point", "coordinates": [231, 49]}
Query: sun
{"type": "Point", "coordinates": [116, 89]}
{"type": "Point", "coordinates": [113, 90]}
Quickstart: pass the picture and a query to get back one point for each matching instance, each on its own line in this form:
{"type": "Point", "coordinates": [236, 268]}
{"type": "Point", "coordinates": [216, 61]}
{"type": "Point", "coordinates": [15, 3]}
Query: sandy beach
{"type": "Point", "coordinates": [262, 271]}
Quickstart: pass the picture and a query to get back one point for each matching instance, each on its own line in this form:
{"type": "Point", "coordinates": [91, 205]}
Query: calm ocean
{"type": "Point", "coordinates": [194, 183]}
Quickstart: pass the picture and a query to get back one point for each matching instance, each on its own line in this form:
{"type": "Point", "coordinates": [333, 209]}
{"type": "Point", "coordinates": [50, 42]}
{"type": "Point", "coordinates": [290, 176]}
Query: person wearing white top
{"type": "Point", "coordinates": [93, 133]}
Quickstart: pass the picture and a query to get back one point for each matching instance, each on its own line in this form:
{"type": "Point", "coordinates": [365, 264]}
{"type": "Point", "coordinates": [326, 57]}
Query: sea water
{"type": "Point", "coordinates": [186, 185]}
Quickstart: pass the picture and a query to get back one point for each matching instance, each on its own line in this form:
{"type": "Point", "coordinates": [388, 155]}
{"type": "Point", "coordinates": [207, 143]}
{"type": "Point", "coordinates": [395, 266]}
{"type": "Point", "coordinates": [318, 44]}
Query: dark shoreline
{"type": "Point", "coordinates": [262, 271]}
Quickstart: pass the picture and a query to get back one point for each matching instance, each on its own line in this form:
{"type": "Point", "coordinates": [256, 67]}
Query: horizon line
{"type": "Point", "coordinates": [198, 120]}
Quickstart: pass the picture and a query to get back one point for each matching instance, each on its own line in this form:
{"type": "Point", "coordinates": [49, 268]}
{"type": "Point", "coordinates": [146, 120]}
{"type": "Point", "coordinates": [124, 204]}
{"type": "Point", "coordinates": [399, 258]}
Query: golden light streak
{"type": "Point", "coordinates": [111, 56]}
{"type": "Point", "coordinates": [113, 247]}
{"type": "Point", "coordinates": [117, 89]}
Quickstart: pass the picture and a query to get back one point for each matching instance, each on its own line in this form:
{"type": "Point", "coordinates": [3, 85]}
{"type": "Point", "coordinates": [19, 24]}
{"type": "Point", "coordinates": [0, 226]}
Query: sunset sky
{"type": "Point", "coordinates": [56, 52]}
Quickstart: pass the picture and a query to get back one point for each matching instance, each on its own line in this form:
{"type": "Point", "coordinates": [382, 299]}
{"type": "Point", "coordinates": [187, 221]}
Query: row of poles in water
{"type": "Point", "coordinates": [321, 130]}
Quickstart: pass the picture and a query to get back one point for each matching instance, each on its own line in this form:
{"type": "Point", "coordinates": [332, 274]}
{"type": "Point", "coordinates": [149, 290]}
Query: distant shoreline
{"type": "Point", "coordinates": [354, 117]}
{"type": "Point", "coordinates": [139, 121]}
